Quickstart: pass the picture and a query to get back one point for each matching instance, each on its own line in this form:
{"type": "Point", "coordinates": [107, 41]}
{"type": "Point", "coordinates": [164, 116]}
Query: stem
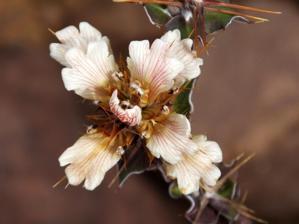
{"type": "Point", "coordinates": [161, 2]}
{"type": "Point", "coordinates": [242, 7]}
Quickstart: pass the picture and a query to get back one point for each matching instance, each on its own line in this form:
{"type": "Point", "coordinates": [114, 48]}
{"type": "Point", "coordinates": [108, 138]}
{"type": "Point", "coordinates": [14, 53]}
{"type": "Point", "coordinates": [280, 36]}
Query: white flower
{"type": "Point", "coordinates": [71, 37]}
{"type": "Point", "coordinates": [168, 59]}
{"type": "Point", "coordinates": [182, 51]}
{"type": "Point", "coordinates": [197, 167]}
{"type": "Point", "coordinates": [152, 67]}
{"type": "Point", "coordinates": [171, 139]}
{"type": "Point", "coordinates": [91, 64]}
{"type": "Point", "coordinates": [88, 59]}
{"type": "Point", "coordinates": [89, 159]}
{"type": "Point", "coordinates": [131, 116]}
{"type": "Point", "coordinates": [124, 96]}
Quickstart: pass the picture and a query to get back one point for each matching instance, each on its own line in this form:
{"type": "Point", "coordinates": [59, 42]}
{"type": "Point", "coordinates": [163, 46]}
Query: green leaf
{"type": "Point", "coordinates": [174, 191]}
{"type": "Point", "coordinates": [157, 14]}
{"type": "Point", "coordinates": [135, 161]}
{"type": "Point", "coordinates": [178, 22]}
{"type": "Point", "coordinates": [228, 189]}
{"type": "Point", "coordinates": [183, 103]}
{"type": "Point", "coordinates": [215, 21]}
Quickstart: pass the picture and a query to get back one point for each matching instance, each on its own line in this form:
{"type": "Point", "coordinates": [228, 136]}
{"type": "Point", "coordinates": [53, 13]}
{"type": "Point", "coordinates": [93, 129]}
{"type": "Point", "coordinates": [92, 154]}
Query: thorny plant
{"type": "Point", "coordinates": [143, 104]}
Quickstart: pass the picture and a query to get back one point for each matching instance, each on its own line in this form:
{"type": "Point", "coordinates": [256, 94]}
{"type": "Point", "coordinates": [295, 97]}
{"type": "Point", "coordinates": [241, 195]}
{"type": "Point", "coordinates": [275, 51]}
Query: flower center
{"type": "Point", "coordinates": [124, 111]}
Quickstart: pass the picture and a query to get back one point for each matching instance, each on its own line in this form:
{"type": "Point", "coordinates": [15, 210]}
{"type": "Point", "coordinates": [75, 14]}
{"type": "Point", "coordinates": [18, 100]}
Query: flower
{"type": "Point", "coordinates": [198, 167]}
{"type": "Point", "coordinates": [88, 59]}
{"type": "Point", "coordinates": [90, 158]}
{"type": "Point", "coordinates": [133, 100]}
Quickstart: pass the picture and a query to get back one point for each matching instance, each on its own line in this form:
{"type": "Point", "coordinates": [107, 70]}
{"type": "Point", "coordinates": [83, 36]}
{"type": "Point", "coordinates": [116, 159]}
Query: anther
{"type": "Point", "coordinates": [165, 109]}
{"type": "Point", "coordinates": [91, 129]}
{"type": "Point", "coordinates": [120, 150]}
{"type": "Point", "coordinates": [137, 87]}
{"type": "Point", "coordinates": [117, 76]}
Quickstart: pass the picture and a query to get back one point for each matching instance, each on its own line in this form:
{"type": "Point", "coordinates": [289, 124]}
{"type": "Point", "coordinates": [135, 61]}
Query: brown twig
{"type": "Point", "coordinates": [161, 2]}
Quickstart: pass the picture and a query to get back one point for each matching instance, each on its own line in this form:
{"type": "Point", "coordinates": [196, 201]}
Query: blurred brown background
{"type": "Point", "coordinates": [247, 99]}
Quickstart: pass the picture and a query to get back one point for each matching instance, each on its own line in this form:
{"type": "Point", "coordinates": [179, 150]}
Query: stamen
{"type": "Point", "coordinates": [120, 150]}
{"type": "Point", "coordinates": [91, 129]}
{"type": "Point", "coordinates": [165, 109]}
{"type": "Point", "coordinates": [175, 90]}
{"type": "Point", "coordinates": [96, 102]}
{"type": "Point", "coordinates": [145, 134]}
{"type": "Point", "coordinates": [137, 87]}
{"type": "Point", "coordinates": [117, 76]}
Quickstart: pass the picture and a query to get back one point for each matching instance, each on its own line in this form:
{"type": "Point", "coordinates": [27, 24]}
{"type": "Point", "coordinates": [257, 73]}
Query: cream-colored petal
{"type": "Point", "coordinates": [211, 148]}
{"type": "Point", "coordinates": [99, 166]}
{"type": "Point", "coordinates": [171, 138]}
{"type": "Point", "coordinates": [99, 53]}
{"type": "Point", "coordinates": [83, 86]}
{"type": "Point", "coordinates": [89, 33]}
{"type": "Point", "coordinates": [171, 36]}
{"type": "Point", "coordinates": [211, 176]}
{"type": "Point", "coordinates": [182, 51]}
{"type": "Point", "coordinates": [139, 51]}
{"type": "Point", "coordinates": [89, 158]}
{"type": "Point", "coordinates": [152, 66]}
{"type": "Point", "coordinates": [88, 75]}
{"type": "Point", "coordinates": [131, 116]}
{"type": "Point", "coordinates": [188, 183]}
{"type": "Point", "coordinates": [83, 147]}
{"type": "Point", "coordinates": [187, 179]}
{"type": "Point", "coordinates": [70, 36]}
{"type": "Point", "coordinates": [193, 168]}
{"type": "Point", "coordinates": [57, 52]}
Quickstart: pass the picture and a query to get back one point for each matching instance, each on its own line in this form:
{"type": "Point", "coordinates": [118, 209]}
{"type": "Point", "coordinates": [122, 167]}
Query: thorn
{"type": "Point", "coordinates": [51, 31]}
{"type": "Point", "coordinates": [232, 171]}
{"type": "Point", "coordinates": [229, 12]}
{"type": "Point", "coordinates": [161, 2]}
{"type": "Point", "coordinates": [59, 182]}
{"type": "Point", "coordinates": [244, 197]}
{"type": "Point", "coordinates": [241, 7]}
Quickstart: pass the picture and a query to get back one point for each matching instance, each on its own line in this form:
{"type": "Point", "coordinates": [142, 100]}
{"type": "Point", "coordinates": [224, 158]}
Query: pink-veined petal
{"type": "Point", "coordinates": [196, 167]}
{"type": "Point", "coordinates": [90, 73]}
{"type": "Point", "coordinates": [71, 37]}
{"type": "Point", "coordinates": [211, 148]}
{"type": "Point", "coordinates": [131, 116]}
{"type": "Point", "coordinates": [182, 51]}
{"type": "Point", "coordinates": [89, 159]}
{"type": "Point", "coordinates": [171, 138]}
{"type": "Point", "coordinates": [99, 53]}
{"type": "Point", "coordinates": [152, 66]}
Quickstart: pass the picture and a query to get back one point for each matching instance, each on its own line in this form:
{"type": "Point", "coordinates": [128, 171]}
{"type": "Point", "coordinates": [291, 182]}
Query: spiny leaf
{"type": "Point", "coordinates": [174, 191]}
{"type": "Point", "coordinates": [179, 22]}
{"type": "Point", "coordinates": [183, 103]}
{"type": "Point", "coordinates": [228, 189]}
{"type": "Point", "coordinates": [135, 161]}
{"type": "Point", "coordinates": [157, 14]}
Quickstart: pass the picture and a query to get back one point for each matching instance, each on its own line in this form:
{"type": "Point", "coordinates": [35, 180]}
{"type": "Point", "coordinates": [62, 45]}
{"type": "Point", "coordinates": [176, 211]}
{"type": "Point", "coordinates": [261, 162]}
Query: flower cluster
{"type": "Point", "coordinates": [133, 98]}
